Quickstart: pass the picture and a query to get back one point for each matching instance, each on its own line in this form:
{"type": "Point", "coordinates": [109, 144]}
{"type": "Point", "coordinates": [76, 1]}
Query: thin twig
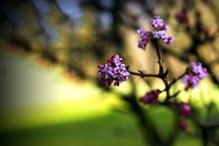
{"type": "Point", "coordinates": [143, 75]}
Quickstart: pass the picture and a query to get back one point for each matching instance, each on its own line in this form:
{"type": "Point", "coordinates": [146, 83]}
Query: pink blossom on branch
{"type": "Point", "coordinates": [195, 74]}
{"type": "Point", "coordinates": [145, 37]}
{"type": "Point", "coordinates": [159, 33]}
{"type": "Point", "coordinates": [158, 23]}
{"type": "Point", "coordinates": [198, 69]}
{"type": "Point", "coordinates": [185, 109]}
{"type": "Point", "coordinates": [114, 72]}
{"type": "Point", "coordinates": [150, 97]}
{"type": "Point", "coordinates": [162, 35]}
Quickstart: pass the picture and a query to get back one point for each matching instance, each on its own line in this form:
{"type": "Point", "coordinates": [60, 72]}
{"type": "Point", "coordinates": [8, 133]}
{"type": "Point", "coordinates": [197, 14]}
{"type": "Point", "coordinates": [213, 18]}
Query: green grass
{"type": "Point", "coordinates": [112, 129]}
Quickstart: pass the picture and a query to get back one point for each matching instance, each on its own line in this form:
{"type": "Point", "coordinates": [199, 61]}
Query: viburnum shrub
{"type": "Point", "coordinates": [115, 72]}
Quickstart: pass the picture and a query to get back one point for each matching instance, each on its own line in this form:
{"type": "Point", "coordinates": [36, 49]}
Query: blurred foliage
{"type": "Point", "coordinates": [81, 34]}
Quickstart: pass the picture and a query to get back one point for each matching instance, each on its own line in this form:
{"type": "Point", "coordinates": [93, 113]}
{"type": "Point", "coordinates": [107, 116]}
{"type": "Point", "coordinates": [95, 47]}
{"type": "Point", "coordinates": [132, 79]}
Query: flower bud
{"type": "Point", "coordinates": [182, 125]}
{"type": "Point", "coordinates": [150, 97]}
{"type": "Point", "coordinates": [185, 109]}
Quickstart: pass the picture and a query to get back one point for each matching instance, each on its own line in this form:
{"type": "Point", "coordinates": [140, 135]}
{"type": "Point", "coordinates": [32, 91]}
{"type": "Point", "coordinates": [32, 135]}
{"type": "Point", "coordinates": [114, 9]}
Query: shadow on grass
{"type": "Point", "coordinates": [114, 129]}
{"type": "Point", "coordinates": [108, 130]}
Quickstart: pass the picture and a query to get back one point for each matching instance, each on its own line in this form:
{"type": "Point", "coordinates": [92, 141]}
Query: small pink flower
{"type": "Point", "coordinates": [145, 37]}
{"type": "Point", "coordinates": [184, 109]}
{"type": "Point", "coordinates": [158, 23]}
{"type": "Point", "coordinates": [196, 73]}
{"type": "Point", "coordinates": [162, 35]}
{"type": "Point", "coordinates": [151, 96]}
{"type": "Point", "coordinates": [159, 33]}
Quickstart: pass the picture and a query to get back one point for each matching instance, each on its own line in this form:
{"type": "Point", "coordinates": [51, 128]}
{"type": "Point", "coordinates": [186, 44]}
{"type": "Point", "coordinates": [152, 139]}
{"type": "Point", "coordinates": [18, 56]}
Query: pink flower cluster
{"type": "Point", "coordinates": [114, 72]}
{"type": "Point", "coordinates": [196, 73]}
{"type": "Point", "coordinates": [158, 23]}
{"type": "Point", "coordinates": [150, 97]}
{"type": "Point", "coordinates": [159, 33]}
{"type": "Point", "coordinates": [162, 35]}
{"type": "Point", "coordinates": [145, 37]}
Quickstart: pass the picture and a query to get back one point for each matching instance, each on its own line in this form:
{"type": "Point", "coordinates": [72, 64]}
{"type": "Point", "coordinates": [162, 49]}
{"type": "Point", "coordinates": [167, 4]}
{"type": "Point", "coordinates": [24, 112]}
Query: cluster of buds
{"type": "Point", "coordinates": [114, 72]}
{"type": "Point", "coordinates": [185, 110]}
{"type": "Point", "coordinates": [159, 32]}
{"type": "Point", "coordinates": [196, 72]}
